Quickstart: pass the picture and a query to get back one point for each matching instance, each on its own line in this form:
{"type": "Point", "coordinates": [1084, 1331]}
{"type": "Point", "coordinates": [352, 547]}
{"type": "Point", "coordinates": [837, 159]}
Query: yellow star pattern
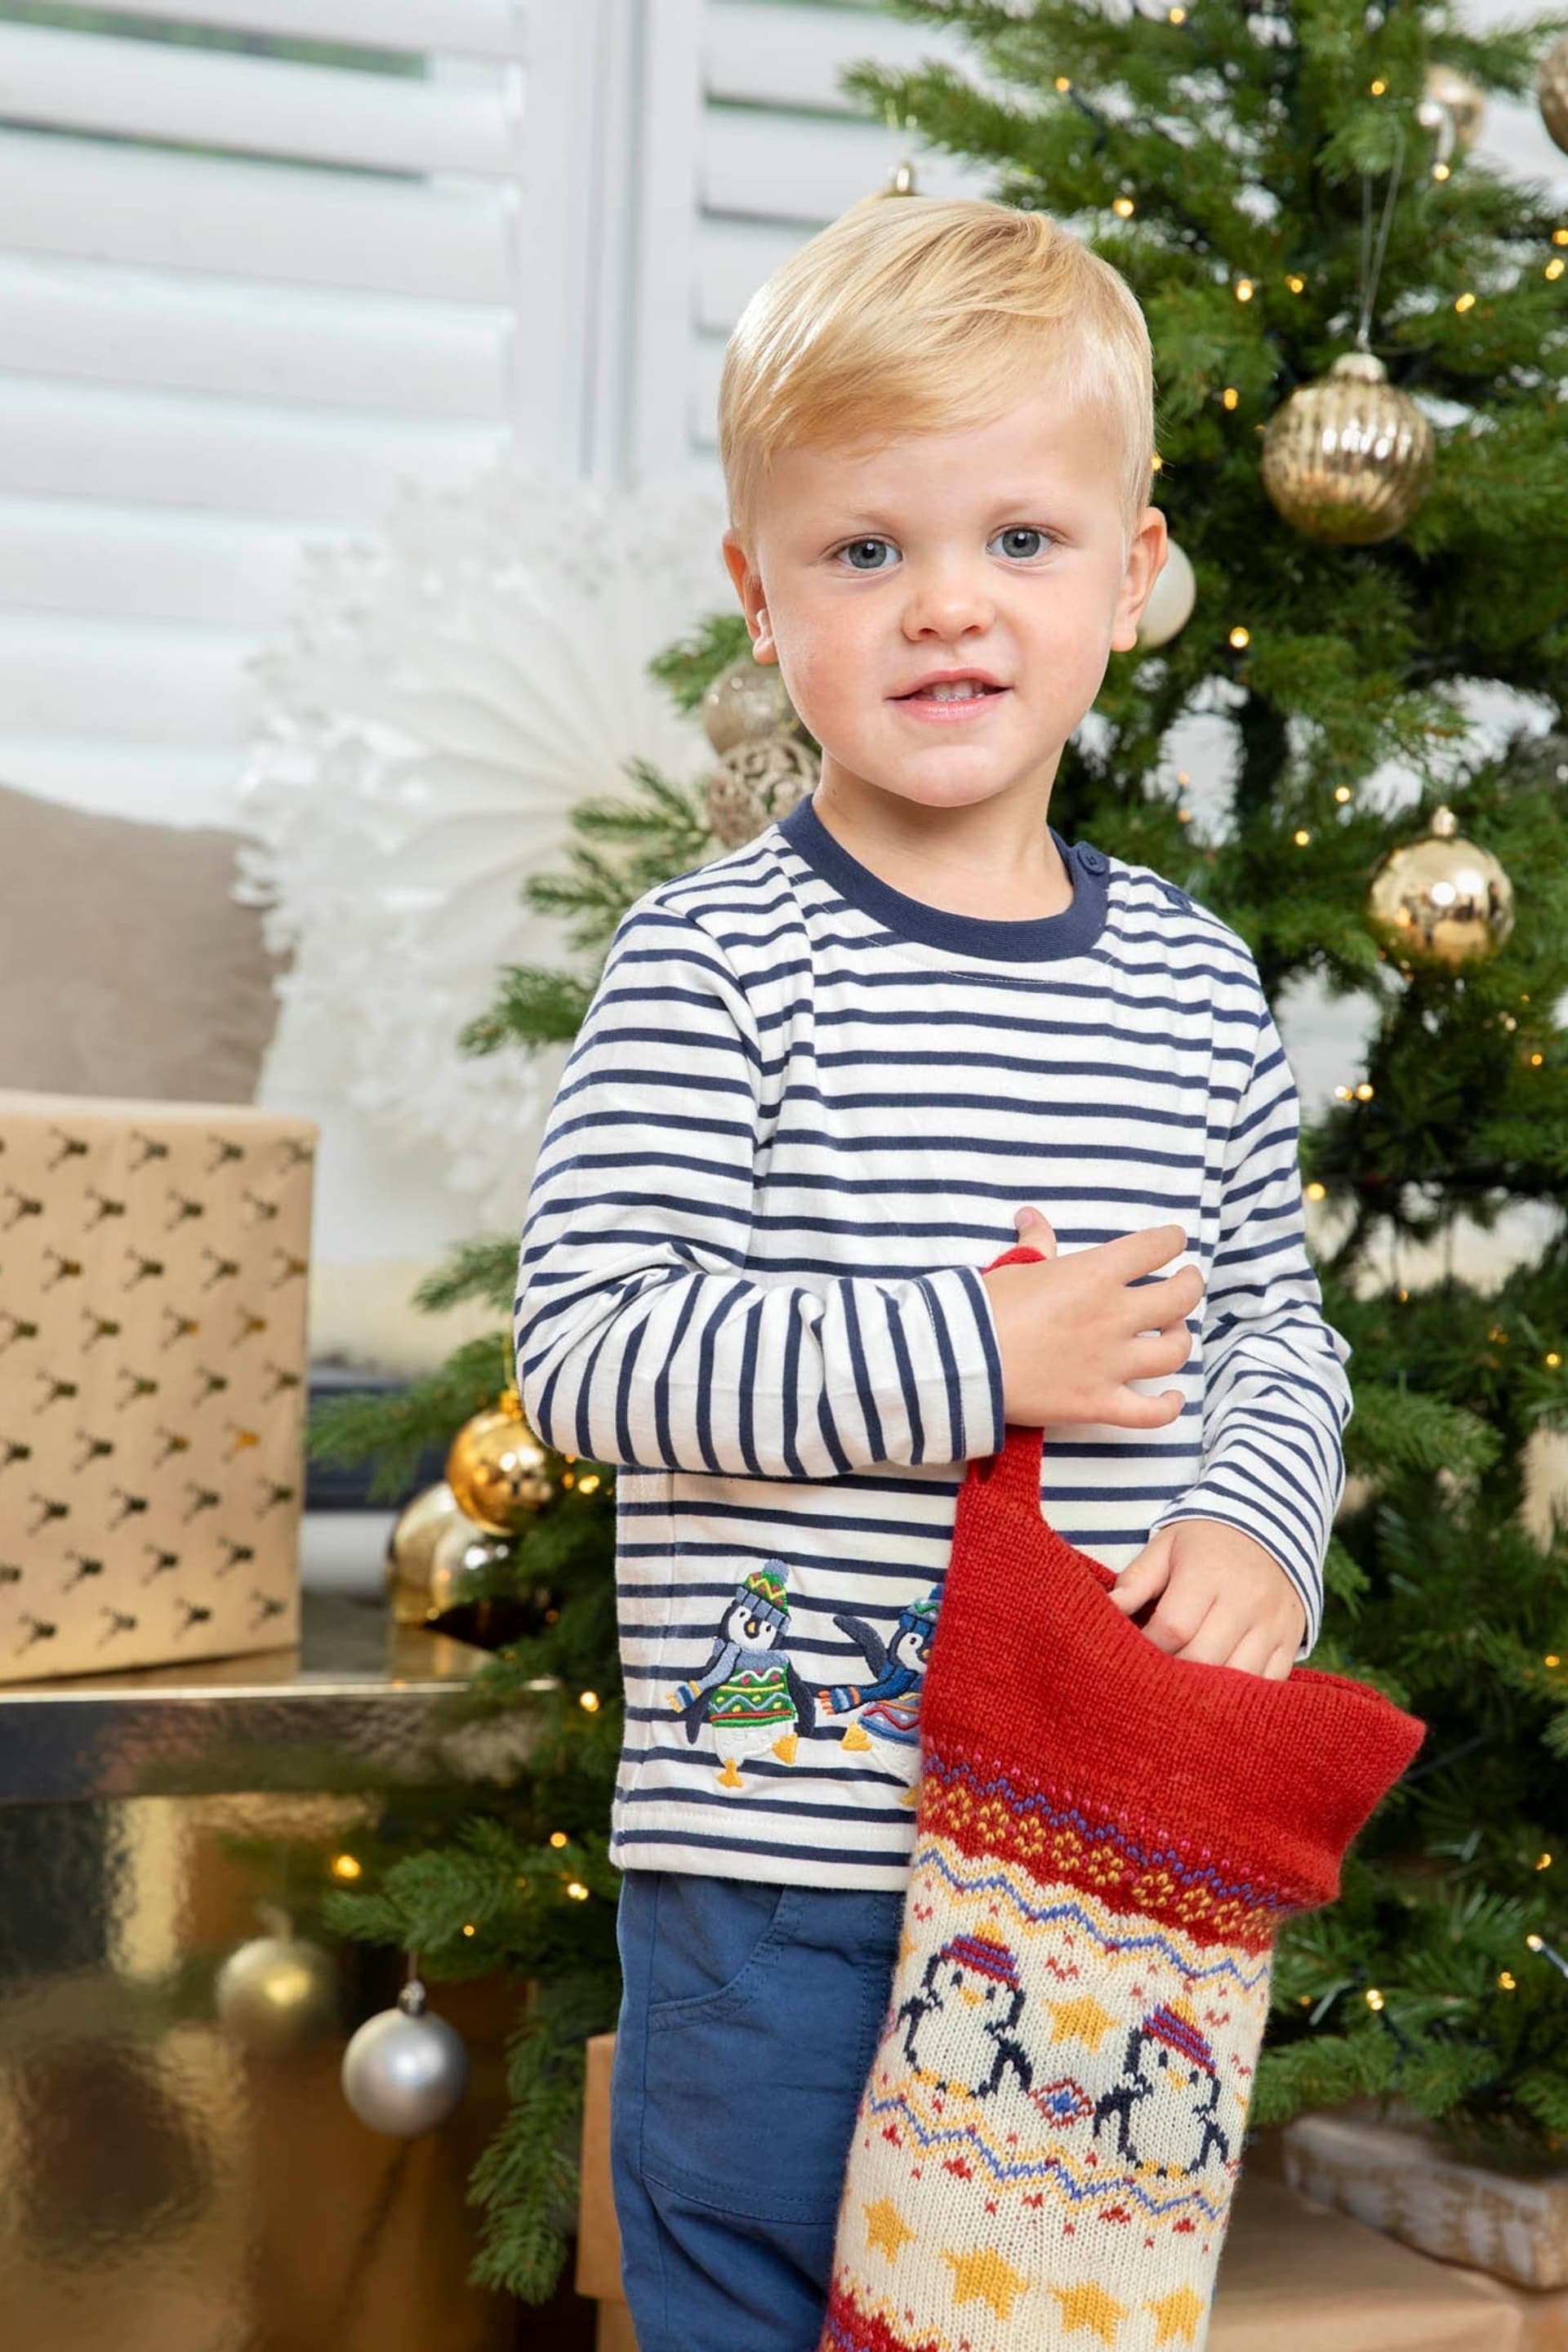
{"type": "Point", "coordinates": [1090, 2306]}
{"type": "Point", "coordinates": [984, 2273]}
{"type": "Point", "coordinates": [1080, 2020]}
{"type": "Point", "coordinates": [885, 2226]}
{"type": "Point", "coordinates": [1180, 2313]}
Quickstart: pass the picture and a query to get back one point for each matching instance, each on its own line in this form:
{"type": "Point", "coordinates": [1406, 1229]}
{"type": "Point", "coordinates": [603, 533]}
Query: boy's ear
{"type": "Point", "coordinates": [749, 589]}
{"type": "Point", "coordinates": [1145, 561]}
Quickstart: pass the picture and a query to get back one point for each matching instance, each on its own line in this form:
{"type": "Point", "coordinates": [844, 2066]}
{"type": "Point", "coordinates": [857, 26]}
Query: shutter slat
{"type": "Point", "coordinates": [93, 678]}
{"type": "Point", "coordinates": [473, 28]}
{"type": "Point", "coordinates": [779, 56]}
{"type": "Point", "coordinates": [144, 89]}
{"type": "Point", "coordinates": [60, 556]}
{"type": "Point", "coordinates": [806, 169]}
{"type": "Point", "coordinates": [87, 200]}
{"type": "Point", "coordinates": [64, 441]}
{"type": "Point", "coordinates": [272, 344]}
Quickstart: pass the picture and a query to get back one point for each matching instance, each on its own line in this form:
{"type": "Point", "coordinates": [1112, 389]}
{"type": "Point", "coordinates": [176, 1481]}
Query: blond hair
{"type": "Point", "coordinates": [930, 313]}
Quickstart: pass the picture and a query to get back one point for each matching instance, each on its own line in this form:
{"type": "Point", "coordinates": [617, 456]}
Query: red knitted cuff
{"type": "Point", "coordinates": [1039, 1681]}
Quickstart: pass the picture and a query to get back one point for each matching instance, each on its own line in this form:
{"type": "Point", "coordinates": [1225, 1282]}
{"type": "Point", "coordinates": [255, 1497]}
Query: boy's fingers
{"type": "Point", "coordinates": [1150, 1246]}
{"type": "Point", "coordinates": [1139, 1582]}
{"type": "Point", "coordinates": [1032, 1226]}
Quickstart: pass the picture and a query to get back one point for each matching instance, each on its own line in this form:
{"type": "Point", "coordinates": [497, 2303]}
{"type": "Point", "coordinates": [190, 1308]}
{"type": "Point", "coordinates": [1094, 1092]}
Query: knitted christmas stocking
{"type": "Point", "coordinates": [1106, 1841]}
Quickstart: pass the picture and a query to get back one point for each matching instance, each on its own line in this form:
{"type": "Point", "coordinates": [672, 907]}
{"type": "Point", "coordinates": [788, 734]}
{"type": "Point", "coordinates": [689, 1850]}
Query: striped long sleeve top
{"type": "Point", "coordinates": [792, 1129]}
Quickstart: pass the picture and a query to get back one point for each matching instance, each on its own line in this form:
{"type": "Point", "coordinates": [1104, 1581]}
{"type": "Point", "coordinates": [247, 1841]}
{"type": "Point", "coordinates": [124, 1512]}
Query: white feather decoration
{"type": "Point", "coordinates": [445, 695]}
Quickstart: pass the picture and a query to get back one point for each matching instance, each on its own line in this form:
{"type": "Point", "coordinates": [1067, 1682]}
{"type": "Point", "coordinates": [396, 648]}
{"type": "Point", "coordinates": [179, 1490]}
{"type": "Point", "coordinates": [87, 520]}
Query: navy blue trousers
{"type": "Point", "coordinates": [750, 2015]}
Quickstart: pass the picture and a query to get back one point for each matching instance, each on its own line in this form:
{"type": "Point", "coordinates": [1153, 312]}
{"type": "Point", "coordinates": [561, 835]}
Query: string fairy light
{"type": "Point", "coordinates": [1540, 1943]}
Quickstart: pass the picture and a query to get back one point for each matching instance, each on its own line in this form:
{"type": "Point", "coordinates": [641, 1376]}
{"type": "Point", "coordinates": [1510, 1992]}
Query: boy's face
{"type": "Point", "coordinates": [997, 547]}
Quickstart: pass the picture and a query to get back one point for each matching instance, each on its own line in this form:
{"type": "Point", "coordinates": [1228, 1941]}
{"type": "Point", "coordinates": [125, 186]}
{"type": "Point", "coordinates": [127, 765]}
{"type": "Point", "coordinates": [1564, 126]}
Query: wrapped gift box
{"type": "Point", "coordinates": [154, 1264]}
{"type": "Point", "coordinates": [1293, 2277]}
{"type": "Point", "coordinates": [1393, 2175]}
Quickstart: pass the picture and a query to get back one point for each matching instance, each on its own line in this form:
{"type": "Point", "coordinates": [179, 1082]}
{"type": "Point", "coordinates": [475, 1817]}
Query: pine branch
{"type": "Point", "coordinates": [393, 1430]}
{"type": "Point", "coordinates": [483, 1269]}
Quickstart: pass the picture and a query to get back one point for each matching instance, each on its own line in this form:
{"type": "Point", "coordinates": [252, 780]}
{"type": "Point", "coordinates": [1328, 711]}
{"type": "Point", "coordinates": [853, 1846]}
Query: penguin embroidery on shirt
{"type": "Point", "coordinates": [961, 2032]}
{"type": "Point", "coordinates": [748, 1693]}
{"type": "Point", "coordinates": [889, 1706]}
{"type": "Point", "coordinates": [1166, 2102]}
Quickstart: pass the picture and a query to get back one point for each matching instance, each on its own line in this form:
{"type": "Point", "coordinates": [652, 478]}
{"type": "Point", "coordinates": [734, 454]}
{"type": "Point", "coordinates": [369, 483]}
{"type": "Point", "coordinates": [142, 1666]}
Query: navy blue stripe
{"type": "Point", "coordinates": [809, 1116]}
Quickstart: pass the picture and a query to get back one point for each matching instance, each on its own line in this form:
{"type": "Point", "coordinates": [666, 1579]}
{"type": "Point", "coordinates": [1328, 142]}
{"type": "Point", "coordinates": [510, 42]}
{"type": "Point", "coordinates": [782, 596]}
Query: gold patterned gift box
{"type": "Point", "coordinates": [153, 1263]}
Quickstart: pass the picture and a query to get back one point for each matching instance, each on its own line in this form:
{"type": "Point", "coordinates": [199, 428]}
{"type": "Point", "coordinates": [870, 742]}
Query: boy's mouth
{"type": "Point", "coordinates": [950, 702]}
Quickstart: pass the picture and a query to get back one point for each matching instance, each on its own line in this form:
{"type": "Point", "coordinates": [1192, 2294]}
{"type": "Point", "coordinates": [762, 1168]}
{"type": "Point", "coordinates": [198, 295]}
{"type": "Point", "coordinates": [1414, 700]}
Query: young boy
{"type": "Point", "coordinates": [825, 1081]}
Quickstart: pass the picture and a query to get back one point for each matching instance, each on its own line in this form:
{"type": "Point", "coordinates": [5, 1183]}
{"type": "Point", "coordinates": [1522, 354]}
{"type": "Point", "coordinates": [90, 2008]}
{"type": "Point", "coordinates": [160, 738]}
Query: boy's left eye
{"type": "Point", "coordinates": [1015, 532]}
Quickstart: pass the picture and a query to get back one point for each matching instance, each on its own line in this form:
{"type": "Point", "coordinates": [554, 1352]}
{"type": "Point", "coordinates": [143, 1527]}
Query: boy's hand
{"type": "Point", "coordinates": [1223, 1598]}
{"type": "Point", "coordinates": [1075, 1332]}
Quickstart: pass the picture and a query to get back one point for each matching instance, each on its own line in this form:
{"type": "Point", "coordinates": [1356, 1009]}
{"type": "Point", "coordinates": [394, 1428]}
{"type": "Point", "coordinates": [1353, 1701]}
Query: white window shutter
{"type": "Point", "coordinates": [243, 295]}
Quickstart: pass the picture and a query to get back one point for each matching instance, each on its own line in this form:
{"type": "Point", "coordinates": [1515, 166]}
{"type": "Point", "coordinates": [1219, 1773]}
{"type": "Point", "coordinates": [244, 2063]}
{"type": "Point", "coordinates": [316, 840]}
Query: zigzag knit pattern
{"type": "Point", "coordinates": [1106, 1841]}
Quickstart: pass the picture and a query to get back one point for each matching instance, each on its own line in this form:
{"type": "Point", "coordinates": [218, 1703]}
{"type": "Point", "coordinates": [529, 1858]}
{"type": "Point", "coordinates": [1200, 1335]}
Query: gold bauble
{"type": "Point", "coordinates": [459, 1572]}
{"type": "Point", "coordinates": [1348, 459]}
{"type": "Point", "coordinates": [1552, 92]}
{"type": "Point", "coordinates": [499, 1471]}
{"type": "Point", "coordinates": [275, 1992]}
{"type": "Point", "coordinates": [1442, 900]}
{"type": "Point", "coordinates": [1466, 104]}
{"type": "Point", "coordinates": [411, 1552]}
{"type": "Point", "coordinates": [745, 702]}
{"type": "Point", "coordinates": [755, 784]}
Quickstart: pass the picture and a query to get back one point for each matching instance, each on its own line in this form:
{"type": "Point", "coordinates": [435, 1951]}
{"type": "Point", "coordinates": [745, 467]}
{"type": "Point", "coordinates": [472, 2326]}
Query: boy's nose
{"type": "Point", "coordinates": [949, 605]}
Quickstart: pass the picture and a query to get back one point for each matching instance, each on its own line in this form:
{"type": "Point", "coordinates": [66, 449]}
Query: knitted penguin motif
{"type": "Point", "coordinates": [1106, 1841]}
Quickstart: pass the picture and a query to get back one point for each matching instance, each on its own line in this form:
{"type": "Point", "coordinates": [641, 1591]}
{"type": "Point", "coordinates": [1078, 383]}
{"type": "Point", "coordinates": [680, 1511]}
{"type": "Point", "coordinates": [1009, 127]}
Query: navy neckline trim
{"type": "Point", "coordinates": [1073, 932]}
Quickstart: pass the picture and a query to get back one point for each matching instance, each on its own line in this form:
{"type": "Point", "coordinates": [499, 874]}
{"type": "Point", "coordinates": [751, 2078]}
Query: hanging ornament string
{"type": "Point", "coordinates": [1372, 264]}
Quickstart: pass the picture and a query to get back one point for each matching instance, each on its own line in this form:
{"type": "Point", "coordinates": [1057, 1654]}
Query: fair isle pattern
{"type": "Point", "coordinates": [978, 1810]}
{"type": "Point", "coordinates": [794, 1127]}
{"type": "Point", "coordinates": [1051, 2129]}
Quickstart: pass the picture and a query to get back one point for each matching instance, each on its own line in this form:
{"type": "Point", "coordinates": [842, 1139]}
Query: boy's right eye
{"type": "Point", "coordinates": [854, 546]}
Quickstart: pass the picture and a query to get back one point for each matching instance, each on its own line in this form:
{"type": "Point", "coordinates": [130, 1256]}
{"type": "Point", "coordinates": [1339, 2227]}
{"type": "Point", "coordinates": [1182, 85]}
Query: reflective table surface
{"type": "Point", "coordinates": [360, 1703]}
{"type": "Point", "coordinates": [173, 2176]}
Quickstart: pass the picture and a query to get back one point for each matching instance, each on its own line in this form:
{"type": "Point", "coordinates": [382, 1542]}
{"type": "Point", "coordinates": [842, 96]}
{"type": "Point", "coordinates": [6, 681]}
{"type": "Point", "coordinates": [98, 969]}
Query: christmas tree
{"type": "Point", "coordinates": [1360, 344]}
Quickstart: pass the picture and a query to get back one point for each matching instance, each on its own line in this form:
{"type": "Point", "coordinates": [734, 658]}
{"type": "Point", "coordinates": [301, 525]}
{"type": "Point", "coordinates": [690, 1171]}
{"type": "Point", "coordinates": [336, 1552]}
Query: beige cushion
{"type": "Point", "coordinates": [126, 968]}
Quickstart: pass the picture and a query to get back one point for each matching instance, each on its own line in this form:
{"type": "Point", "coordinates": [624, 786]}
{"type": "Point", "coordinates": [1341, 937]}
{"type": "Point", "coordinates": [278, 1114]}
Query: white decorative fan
{"type": "Point", "coordinates": [445, 695]}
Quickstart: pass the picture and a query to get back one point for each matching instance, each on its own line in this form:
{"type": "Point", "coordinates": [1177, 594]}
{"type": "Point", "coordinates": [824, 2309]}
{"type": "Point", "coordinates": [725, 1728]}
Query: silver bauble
{"type": "Point", "coordinates": [275, 1992]}
{"type": "Point", "coordinates": [461, 1565]}
{"type": "Point", "coordinates": [745, 702]}
{"type": "Point", "coordinates": [1440, 902]}
{"type": "Point", "coordinates": [405, 2072]}
{"type": "Point", "coordinates": [1552, 92]}
{"type": "Point", "coordinates": [411, 1552]}
{"type": "Point", "coordinates": [756, 783]}
{"type": "Point", "coordinates": [1349, 458]}
{"type": "Point", "coordinates": [1170, 602]}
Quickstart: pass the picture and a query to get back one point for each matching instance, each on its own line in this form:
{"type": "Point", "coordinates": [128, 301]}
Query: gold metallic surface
{"type": "Point", "coordinates": [745, 702]}
{"type": "Point", "coordinates": [756, 783]}
{"type": "Point", "coordinates": [362, 1700]}
{"type": "Point", "coordinates": [499, 1471]}
{"type": "Point", "coordinates": [1349, 458]}
{"type": "Point", "coordinates": [1552, 92]}
{"type": "Point", "coordinates": [411, 1550]}
{"type": "Point", "coordinates": [1442, 900]}
{"type": "Point", "coordinates": [165, 2186]}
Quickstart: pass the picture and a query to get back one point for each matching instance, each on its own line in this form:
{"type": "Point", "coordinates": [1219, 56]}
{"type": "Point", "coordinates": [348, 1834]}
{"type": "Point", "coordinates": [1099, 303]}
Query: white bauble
{"type": "Point", "coordinates": [1170, 602]}
{"type": "Point", "coordinates": [445, 694]}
